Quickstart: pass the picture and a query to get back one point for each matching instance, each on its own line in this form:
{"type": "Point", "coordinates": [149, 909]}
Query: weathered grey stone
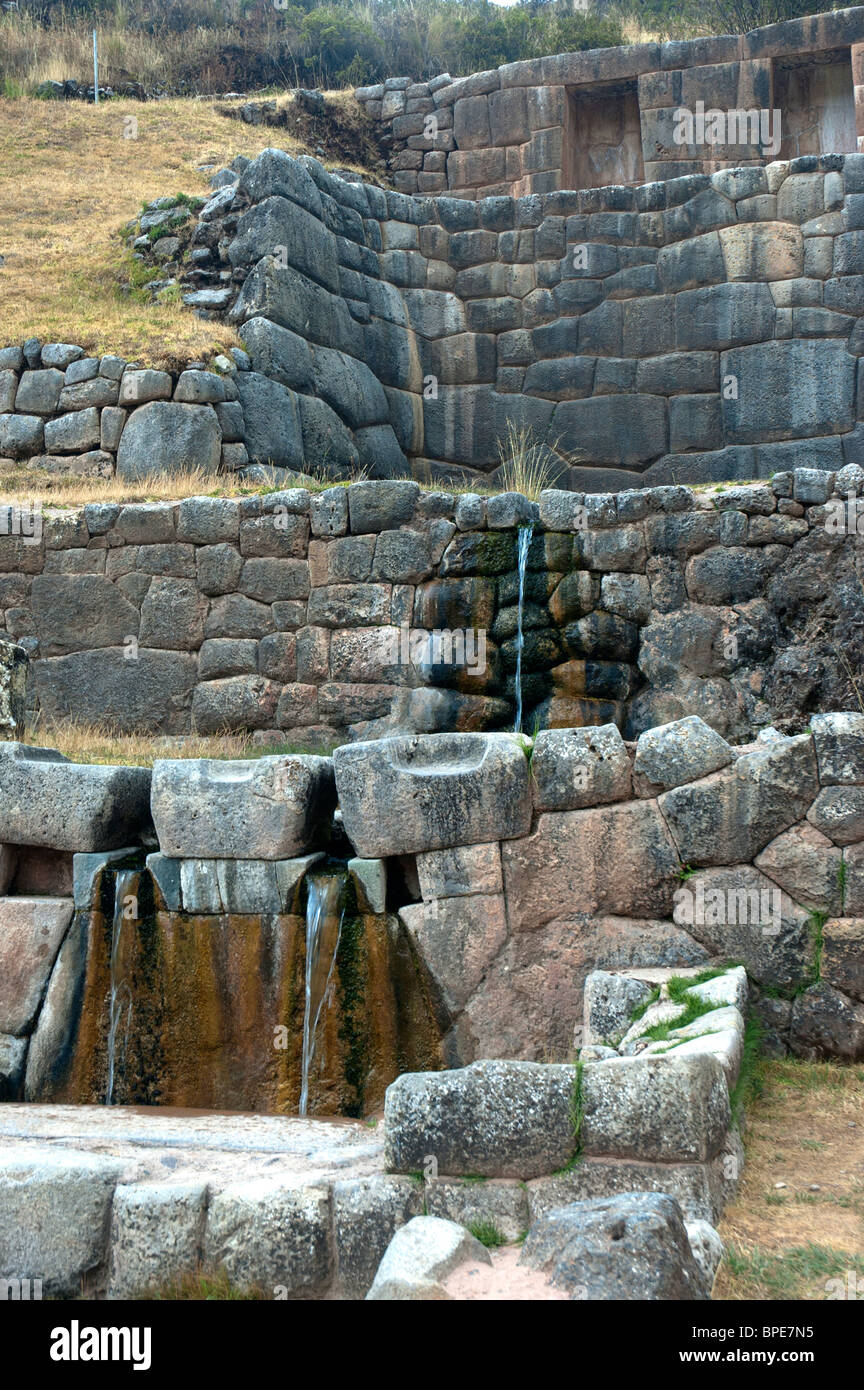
{"type": "Point", "coordinates": [838, 812]}
{"type": "Point", "coordinates": [54, 1213]}
{"type": "Point", "coordinates": [788, 390]}
{"type": "Point", "coordinates": [571, 768]}
{"type": "Point", "coordinates": [708, 1251]}
{"type": "Point", "coordinates": [420, 1256]}
{"type": "Point", "coordinates": [666, 1109]}
{"type": "Point", "coordinates": [367, 1212]}
{"type": "Point", "coordinates": [272, 808]}
{"type": "Point", "coordinates": [839, 743]}
{"type": "Point", "coordinates": [493, 1119]}
{"type": "Point", "coordinates": [274, 434]}
{"type": "Point", "coordinates": [271, 1236]}
{"type": "Point", "coordinates": [460, 871]}
{"type": "Point", "coordinates": [565, 865]}
{"type": "Point", "coordinates": [824, 1023]}
{"type": "Point", "coordinates": [39, 392]}
{"type": "Point", "coordinates": [13, 683]}
{"type": "Point", "coordinates": [156, 1235]}
{"type": "Point", "coordinates": [843, 955]}
{"type": "Point", "coordinates": [168, 437]}
{"type": "Point", "coordinates": [609, 1001]}
{"type": "Point", "coordinates": [728, 817]}
{"type": "Point", "coordinates": [807, 866]}
{"type": "Point", "coordinates": [21, 436]}
{"type": "Point", "coordinates": [278, 353]}
{"type": "Point", "coordinates": [46, 800]}
{"type": "Point", "coordinates": [457, 939]}
{"type": "Point", "coordinates": [404, 795]}
{"type": "Point", "coordinates": [502, 1204]}
{"type": "Point", "coordinates": [680, 752]}
{"type": "Point", "coordinates": [740, 914]}
{"type": "Point", "coordinates": [139, 385]}
{"type": "Point", "coordinates": [632, 1247]}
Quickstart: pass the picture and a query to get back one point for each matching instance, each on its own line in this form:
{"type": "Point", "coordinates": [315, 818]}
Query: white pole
{"type": "Point", "coordinates": [95, 69]}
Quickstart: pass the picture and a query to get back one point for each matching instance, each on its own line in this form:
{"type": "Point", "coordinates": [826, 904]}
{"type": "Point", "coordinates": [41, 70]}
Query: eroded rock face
{"type": "Point", "coordinates": [272, 808]}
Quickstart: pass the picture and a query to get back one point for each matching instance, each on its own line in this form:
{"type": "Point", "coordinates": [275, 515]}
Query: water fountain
{"type": "Point", "coordinates": [524, 544]}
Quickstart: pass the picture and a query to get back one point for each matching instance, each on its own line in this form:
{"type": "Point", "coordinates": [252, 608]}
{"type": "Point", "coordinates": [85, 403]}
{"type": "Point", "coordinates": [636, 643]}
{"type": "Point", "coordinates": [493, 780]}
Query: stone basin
{"type": "Point", "coordinates": [432, 791]}
{"type": "Point", "coordinates": [258, 808]}
{"type": "Point", "coordinates": [49, 802]}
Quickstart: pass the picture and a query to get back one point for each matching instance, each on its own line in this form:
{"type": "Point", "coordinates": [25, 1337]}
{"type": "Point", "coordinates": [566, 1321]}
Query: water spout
{"type": "Point", "coordinates": [324, 913]}
{"type": "Point", "coordinates": [123, 932]}
{"type": "Point", "coordinates": [525, 534]}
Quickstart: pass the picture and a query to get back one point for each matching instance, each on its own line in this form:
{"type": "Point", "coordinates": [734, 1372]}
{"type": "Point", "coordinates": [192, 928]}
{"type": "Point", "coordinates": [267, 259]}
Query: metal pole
{"type": "Point", "coordinates": [95, 69]}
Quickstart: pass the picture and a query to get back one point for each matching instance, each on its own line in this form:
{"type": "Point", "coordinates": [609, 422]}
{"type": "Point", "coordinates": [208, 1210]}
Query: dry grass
{"type": "Point", "coordinates": [100, 743]}
{"type": "Point", "coordinates": [805, 1130]}
{"type": "Point", "coordinates": [76, 182]}
{"type": "Point", "coordinates": [69, 491]}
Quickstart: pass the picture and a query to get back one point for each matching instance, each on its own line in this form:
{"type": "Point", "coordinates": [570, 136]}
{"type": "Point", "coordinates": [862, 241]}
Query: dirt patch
{"type": "Point", "coordinates": [504, 1280]}
{"type": "Point", "coordinates": [798, 1219]}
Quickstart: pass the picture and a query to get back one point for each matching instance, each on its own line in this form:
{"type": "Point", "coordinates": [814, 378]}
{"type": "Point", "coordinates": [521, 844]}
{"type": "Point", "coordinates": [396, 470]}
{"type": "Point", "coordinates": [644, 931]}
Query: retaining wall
{"type": "Point", "coordinates": [309, 616]}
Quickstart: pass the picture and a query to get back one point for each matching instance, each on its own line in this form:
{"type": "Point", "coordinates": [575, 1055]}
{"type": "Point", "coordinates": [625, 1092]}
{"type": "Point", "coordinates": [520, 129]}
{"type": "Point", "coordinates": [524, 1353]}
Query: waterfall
{"type": "Point", "coordinates": [324, 913]}
{"type": "Point", "coordinates": [123, 933]}
{"type": "Point", "coordinates": [525, 534]}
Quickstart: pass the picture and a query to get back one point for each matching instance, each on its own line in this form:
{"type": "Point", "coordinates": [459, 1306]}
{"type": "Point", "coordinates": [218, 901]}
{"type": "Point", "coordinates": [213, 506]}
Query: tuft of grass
{"type": "Point", "coordinates": [205, 1286]}
{"type": "Point", "coordinates": [641, 1009]}
{"type": "Point", "coordinates": [750, 1084]}
{"type": "Point", "coordinates": [525, 463]}
{"type": "Point", "coordinates": [487, 1233]}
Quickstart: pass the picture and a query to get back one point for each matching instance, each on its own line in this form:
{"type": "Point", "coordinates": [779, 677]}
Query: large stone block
{"type": "Point", "coordinates": [574, 768]}
{"type": "Point", "coordinates": [680, 752]}
{"type": "Point", "coordinates": [272, 808]}
{"type": "Point", "coordinates": [625, 431]}
{"type": "Point", "coordinates": [663, 1109]}
{"type": "Point", "coordinates": [789, 390]}
{"type": "Point", "coordinates": [31, 931]}
{"type": "Point", "coordinates": [739, 914]}
{"type": "Point", "coordinates": [405, 795]}
{"type": "Point", "coordinates": [630, 1247]}
{"type": "Point", "coordinates": [278, 227]}
{"type": "Point", "coordinates": [729, 816]}
{"type": "Point", "coordinates": [168, 437]}
{"type": "Point", "coordinates": [367, 1212]}
{"type": "Point", "coordinates": [271, 1236]}
{"type": "Point", "coordinates": [843, 955]}
{"type": "Point", "coordinates": [611, 859]}
{"type": "Point", "coordinates": [274, 433]}
{"type": "Point", "coordinates": [492, 1119]}
{"type": "Point", "coordinates": [457, 939]}
{"type": "Point", "coordinates": [156, 1234]}
{"type": "Point", "coordinates": [54, 1213]}
{"type": "Point", "coordinates": [46, 800]}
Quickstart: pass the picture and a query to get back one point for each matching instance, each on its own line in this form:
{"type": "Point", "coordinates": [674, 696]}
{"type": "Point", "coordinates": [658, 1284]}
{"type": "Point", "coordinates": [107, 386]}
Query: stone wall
{"type": "Point", "coordinates": [703, 328]}
{"type": "Point", "coordinates": [310, 616]}
{"type": "Point", "coordinates": [528, 127]}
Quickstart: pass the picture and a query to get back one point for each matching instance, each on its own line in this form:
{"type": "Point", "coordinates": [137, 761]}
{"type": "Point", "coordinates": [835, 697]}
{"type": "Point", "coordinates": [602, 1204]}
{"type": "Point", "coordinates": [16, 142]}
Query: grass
{"type": "Point", "coordinates": [487, 1233]}
{"type": "Point", "coordinates": [77, 182]}
{"type": "Point", "coordinates": [101, 743]}
{"type": "Point", "coordinates": [201, 1286]}
{"type": "Point", "coordinates": [805, 1128]}
{"type": "Point", "coordinates": [524, 463]}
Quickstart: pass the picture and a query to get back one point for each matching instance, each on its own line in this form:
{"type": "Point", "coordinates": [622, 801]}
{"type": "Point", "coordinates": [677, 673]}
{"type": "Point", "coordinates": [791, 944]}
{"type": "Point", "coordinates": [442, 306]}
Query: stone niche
{"type": "Point", "coordinates": [602, 137]}
{"type": "Point", "coordinates": [816, 97]}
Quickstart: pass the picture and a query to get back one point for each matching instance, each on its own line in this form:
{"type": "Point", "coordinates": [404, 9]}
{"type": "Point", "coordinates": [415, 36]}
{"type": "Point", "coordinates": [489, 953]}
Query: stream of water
{"type": "Point", "coordinates": [324, 913]}
{"type": "Point", "coordinates": [123, 931]}
{"type": "Point", "coordinates": [525, 534]}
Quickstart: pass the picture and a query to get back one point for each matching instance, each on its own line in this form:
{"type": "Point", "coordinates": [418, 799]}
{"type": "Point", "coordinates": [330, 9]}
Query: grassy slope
{"type": "Point", "coordinates": [69, 182]}
{"type": "Point", "coordinates": [805, 1130]}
